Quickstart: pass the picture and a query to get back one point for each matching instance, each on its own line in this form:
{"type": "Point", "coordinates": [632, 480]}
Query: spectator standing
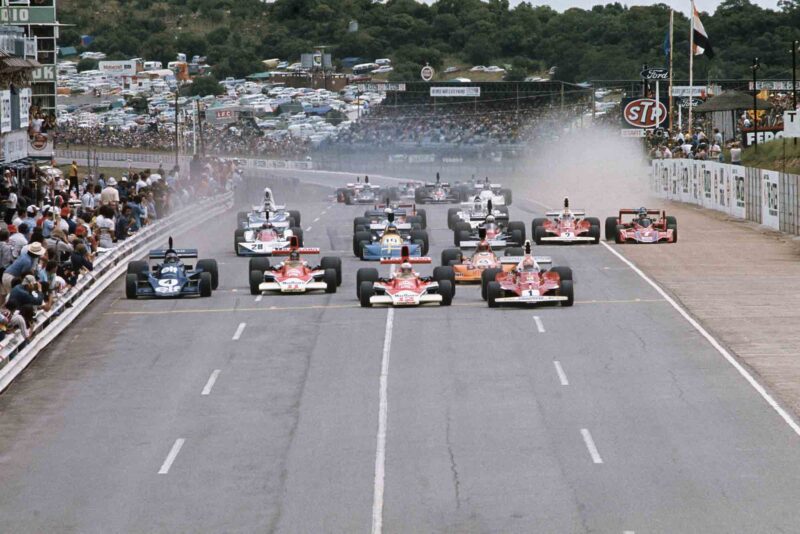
{"type": "Point", "coordinates": [715, 152]}
{"type": "Point", "coordinates": [104, 227]}
{"type": "Point", "coordinates": [736, 154]}
{"type": "Point", "coordinates": [6, 251]}
{"type": "Point", "coordinates": [110, 195]}
{"type": "Point", "coordinates": [73, 176]}
{"type": "Point", "coordinates": [718, 137]}
{"type": "Point", "coordinates": [17, 239]}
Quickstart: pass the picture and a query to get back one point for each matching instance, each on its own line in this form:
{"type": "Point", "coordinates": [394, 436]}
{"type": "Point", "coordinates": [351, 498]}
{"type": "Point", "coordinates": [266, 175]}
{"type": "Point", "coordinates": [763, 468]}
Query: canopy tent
{"type": "Point", "coordinates": [724, 110]}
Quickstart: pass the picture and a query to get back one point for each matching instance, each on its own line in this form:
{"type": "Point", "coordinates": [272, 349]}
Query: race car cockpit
{"type": "Point", "coordinates": [643, 219]}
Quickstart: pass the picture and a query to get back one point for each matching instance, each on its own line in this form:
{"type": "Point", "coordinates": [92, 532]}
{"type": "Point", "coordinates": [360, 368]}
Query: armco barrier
{"type": "Point", "coordinates": [16, 354]}
{"type": "Point", "coordinates": [759, 195]}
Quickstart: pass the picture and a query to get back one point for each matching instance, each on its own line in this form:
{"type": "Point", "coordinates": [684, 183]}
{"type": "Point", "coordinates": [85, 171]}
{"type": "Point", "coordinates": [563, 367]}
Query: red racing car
{"type": "Point", "coordinates": [646, 226]}
{"type": "Point", "coordinates": [566, 226]}
{"type": "Point", "coordinates": [295, 275]}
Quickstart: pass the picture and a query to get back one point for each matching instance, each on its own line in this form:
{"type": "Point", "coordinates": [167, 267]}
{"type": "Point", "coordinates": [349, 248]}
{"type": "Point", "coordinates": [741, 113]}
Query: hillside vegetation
{"type": "Point", "coordinates": [606, 42]}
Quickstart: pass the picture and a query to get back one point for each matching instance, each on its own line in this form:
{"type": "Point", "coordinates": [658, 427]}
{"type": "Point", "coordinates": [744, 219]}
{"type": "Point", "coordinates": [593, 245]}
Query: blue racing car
{"type": "Point", "coordinates": [390, 245]}
{"type": "Point", "coordinates": [171, 278]}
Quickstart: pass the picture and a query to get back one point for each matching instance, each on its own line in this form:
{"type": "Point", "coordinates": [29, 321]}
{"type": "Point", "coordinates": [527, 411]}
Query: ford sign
{"type": "Point", "coordinates": [644, 113]}
{"type": "Point", "coordinates": [655, 74]}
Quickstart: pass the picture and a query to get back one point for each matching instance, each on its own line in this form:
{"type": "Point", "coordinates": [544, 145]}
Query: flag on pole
{"type": "Point", "coordinates": [667, 45]}
{"type": "Point", "coordinates": [702, 45]}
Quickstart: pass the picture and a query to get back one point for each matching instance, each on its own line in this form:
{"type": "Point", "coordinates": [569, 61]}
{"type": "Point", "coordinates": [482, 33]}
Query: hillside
{"type": "Point", "coordinates": [608, 42]}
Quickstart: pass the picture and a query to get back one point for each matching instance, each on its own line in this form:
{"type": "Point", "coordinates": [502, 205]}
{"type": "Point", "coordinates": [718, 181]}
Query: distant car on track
{"type": "Point", "coordinates": [437, 192]}
{"type": "Point", "coordinates": [498, 232]}
{"type": "Point", "coordinates": [646, 226]}
{"type": "Point", "coordinates": [566, 226]}
{"type": "Point", "coordinates": [359, 192]}
{"type": "Point", "coordinates": [295, 275]}
{"type": "Point", "coordinates": [172, 277]}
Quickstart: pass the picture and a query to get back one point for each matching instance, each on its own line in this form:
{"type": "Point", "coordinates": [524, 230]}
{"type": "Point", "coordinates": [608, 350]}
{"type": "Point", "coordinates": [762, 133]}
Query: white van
{"type": "Point", "coordinates": [153, 65]}
{"type": "Point", "coordinates": [383, 62]}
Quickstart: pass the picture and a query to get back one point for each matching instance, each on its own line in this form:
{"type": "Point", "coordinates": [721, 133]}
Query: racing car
{"type": "Point", "coordinates": [485, 190]}
{"type": "Point", "coordinates": [470, 268]}
{"type": "Point", "coordinates": [646, 226]}
{"type": "Point", "coordinates": [437, 192]}
{"type": "Point", "coordinates": [566, 226]}
{"type": "Point", "coordinates": [499, 234]}
{"type": "Point", "coordinates": [403, 212]}
{"type": "Point", "coordinates": [404, 192]}
{"type": "Point", "coordinates": [475, 212]}
{"type": "Point", "coordinates": [171, 277]}
{"type": "Point", "coordinates": [268, 211]}
{"type": "Point", "coordinates": [386, 240]}
{"type": "Point", "coordinates": [359, 192]}
{"type": "Point", "coordinates": [295, 275]}
{"type": "Point", "coordinates": [405, 287]}
{"type": "Point", "coordinates": [265, 240]}
{"type": "Point", "coordinates": [527, 282]}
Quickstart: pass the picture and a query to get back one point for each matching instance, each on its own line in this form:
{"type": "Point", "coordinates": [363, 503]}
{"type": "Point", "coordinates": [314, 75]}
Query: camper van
{"type": "Point", "coordinates": [153, 65]}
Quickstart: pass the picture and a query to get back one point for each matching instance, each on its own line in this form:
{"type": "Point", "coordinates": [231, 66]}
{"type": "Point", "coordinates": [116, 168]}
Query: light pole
{"type": "Point", "coordinates": [794, 74]}
{"type": "Point", "coordinates": [755, 104]}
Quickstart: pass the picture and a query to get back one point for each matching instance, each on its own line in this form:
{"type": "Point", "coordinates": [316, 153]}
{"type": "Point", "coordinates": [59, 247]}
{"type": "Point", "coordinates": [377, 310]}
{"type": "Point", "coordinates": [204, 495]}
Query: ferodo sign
{"type": "Point", "coordinates": [643, 112]}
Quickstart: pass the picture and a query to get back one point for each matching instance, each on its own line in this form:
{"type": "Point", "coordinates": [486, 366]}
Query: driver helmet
{"type": "Point", "coordinates": [171, 257]}
{"type": "Point", "coordinates": [294, 256]}
{"type": "Point", "coordinates": [267, 195]}
{"type": "Point", "coordinates": [405, 268]}
{"type": "Point", "coordinates": [266, 226]}
{"type": "Point", "coordinates": [387, 211]}
{"type": "Point", "coordinates": [642, 213]}
{"type": "Point", "coordinates": [490, 219]}
{"type": "Point", "coordinates": [483, 246]}
{"type": "Point", "coordinates": [391, 229]}
{"type": "Point", "coordinates": [528, 264]}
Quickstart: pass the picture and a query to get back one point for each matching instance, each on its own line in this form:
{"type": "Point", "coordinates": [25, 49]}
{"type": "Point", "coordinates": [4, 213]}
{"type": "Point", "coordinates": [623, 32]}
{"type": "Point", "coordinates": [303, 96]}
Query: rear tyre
{"type": "Point", "coordinates": [520, 226]}
{"type": "Point", "coordinates": [206, 284]}
{"type": "Point", "coordinates": [421, 235]}
{"type": "Point", "coordinates": [415, 221]}
{"type": "Point", "coordinates": [256, 277]}
{"type": "Point", "coordinates": [330, 280]}
{"type": "Point", "coordinates": [447, 290]}
{"type": "Point", "coordinates": [451, 254]}
{"type": "Point", "coordinates": [514, 251]}
{"type": "Point", "coordinates": [365, 274]}
{"type": "Point", "coordinates": [594, 232]}
{"type": "Point", "coordinates": [488, 276]}
{"type": "Point", "coordinates": [517, 237]}
{"type": "Point", "coordinates": [617, 234]}
{"type": "Point", "coordinates": [210, 266]}
{"type": "Point", "coordinates": [508, 196]}
{"type": "Point", "coordinates": [566, 291]}
{"type": "Point", "coordinates": [461, 235]}
{"type": "Point", "coordinates": [672, 220]}
{"type": "Point", "coordinates": [361, 222]}
{"type": "Point", "coordinates": [539, 234]}
{"type": "Point", "coordinates": [241, 218]}
{"type": "Point", "coordinates": [537, 222]}
{"type": "Point", "coordinates": [298, 233]}
{"type": "Point", "coordinates": [674, 229]}
{"type": "Point", "coordinates": [445, 273]}
{"type": "Point", "coordinates": [365, 291]}
{"type": "Point", "coordinates": [611, 228]}
{"type": "Point", "coordinates": [493, 292]}
{"type": "Point", "coordinates": [131, 284]}
{"type": "Point", "coordinates": [452, 217]}
{"type": "Point", "coordinates": [358, 237]}
{"type": "Point", "coordinates": [294, 214]}
{"type": "Point", "coordinates": [259, 264]}
{"type": "Point", "coordinates": [422, 214]}
{"type": "Point", "coordinates": [565, 273]}
{"type": "Point", "coordinates": [593, 221]}
{"type": "Point", "coordinates": [332, 262]}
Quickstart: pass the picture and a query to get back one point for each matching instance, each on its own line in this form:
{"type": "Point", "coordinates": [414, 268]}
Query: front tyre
{"type": "Point", "coordinates": [446, 290]}
{"type": "Point", "coordinates": [256, 277]}
{"type": "Point", "coordinates": [566, 291]}
{"type": "Point", "coordinates": [493, 292]}
{"type": "Point", "coordinates": [131, 284]}
{"type": "Point", "coordinates": [330, 280]}
{"type": "Point", "coordinates": [210, 266]}
{"type": "Point", "coordinates": [206, 284]}
{"type": "Point", "coordinates": [366, 291]}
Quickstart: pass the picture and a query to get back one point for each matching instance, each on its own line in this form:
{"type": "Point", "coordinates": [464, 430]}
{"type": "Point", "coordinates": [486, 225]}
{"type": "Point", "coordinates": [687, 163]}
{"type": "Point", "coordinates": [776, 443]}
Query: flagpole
{"type": "Point", "coordinates": [671, 22]}
{"type": "Point", "coordinates": [691, 65]}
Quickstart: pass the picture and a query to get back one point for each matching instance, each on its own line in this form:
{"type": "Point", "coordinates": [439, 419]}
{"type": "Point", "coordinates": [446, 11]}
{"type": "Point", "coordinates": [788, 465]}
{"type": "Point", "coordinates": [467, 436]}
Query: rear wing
{"type": "Point", "coordinates": [557, 213]}
{"type": "Point", "coordinates": [299, 250]}
{"type": "Point", "coordinates": [160, 254]}
{"type": "Point", "coordinates": [399, 226]}
{"type": "Point", "coordinates": [398, 261]}
{"type": "Point", "coordinates": [496, 243]}
{"type": "Point", "coordinates": [654, 211]}
{"type": "Point", "coordinates": [541, 260]}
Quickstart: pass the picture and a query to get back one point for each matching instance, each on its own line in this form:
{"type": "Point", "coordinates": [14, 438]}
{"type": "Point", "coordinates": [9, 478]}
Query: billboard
{"type": "Point", "coordinates": [118, 68]}
{"type": "Point", "coordinates": [25, 97]}
{"type": "Point", "coordinates": [455, 91]}
{"type": "Point", "coordinates": [643, 112]}
{"type": "Point", "coordinates": [5, 111]}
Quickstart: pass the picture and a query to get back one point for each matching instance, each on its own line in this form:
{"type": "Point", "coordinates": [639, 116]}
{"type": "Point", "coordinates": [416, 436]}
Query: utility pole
{"type": "Point", "coordinates": [755, 105]}
{"type": "Point", "coordinates": [177, 149]}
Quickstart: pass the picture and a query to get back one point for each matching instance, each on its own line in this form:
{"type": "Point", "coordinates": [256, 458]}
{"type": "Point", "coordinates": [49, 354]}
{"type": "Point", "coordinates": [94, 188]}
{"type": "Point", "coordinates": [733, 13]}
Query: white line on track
{"type": "Point", "coordinates": [308, 229]}
{"type": "Point", "coordinates": [539, 325]}
{"type": "Point", "coordinates": [587, 438]}
{"type": "Point", "coordinates": [258, 298]}
{"type": "Point", "coordinates": [173, 453]}
{"type": "Point", "coordinates": [239, 331]}
{"type": "Point", "coordinates": [562, 376]}
{"type": "Point", "coordinates": [714, 343]}
{"type": "Point", "coordinates": [316, 220]}
{"type": "Point", "coordinates": [211, 381]}
{"type": "Point", "coordinates": [383, 413]}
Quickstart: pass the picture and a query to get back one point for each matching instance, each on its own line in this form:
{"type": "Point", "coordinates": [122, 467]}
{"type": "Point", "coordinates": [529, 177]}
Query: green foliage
{"type": "Point", "coordinates": [609, 41]}
{"type": "Point", "coordinates": [205, 85]}
{"type": "Point", "coordinates": [86, 64]}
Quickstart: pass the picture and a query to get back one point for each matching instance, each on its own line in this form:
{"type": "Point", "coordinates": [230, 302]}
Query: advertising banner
{"type": "Point", "coordinates": [25, 97]}
{"type": "Point", "coordinates": [5, 111]}
{"type": "Point", "coordinates": [15, 146]}
{"type": "Point", "coordinates": [769, 199]}
{"type": "Point", "coordinates": [643, 112]}
{"type": "Point", "coordinates": [713, 185]}
{"type": "Point", "coordinates": [118, 68]}
{"type": "Point", "coordinates": [764, 135]}
{"type": "Point", "coordinates": [455, 91]}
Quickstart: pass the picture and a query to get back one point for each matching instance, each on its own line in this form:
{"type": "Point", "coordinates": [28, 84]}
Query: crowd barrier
{"type": "Point", "coordinates": [16, 353]}
{"type": "Point", "coordinates": [767, 197]}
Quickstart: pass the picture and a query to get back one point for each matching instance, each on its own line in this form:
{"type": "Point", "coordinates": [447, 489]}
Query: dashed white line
{"type": "Point", "coordinates": [211, 381]}
{"type": "Point", "coordinates": [562, 376]}
{"type": "Point", "coordinates": [315, 220]}
{"type": "Point", "coordinates": [539, 325]}
{"type": "Point", "coordinates": [173, 453]}
{"type": "Point", "coordinates": [258, 298]}
{"type": "Point", "coordinates": [308, 229]}
{"type": "Point", "coordinates": [383, 413]}
{"type": "Point", "coordinates": [239, 331]}
{"type": "Point", "coordinates": [587, 438]}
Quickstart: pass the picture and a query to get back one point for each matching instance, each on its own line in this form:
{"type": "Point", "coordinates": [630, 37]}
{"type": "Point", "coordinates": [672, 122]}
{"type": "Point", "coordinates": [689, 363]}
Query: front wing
{"type": "Point", "coordinates": [261, 248]}
{"type": "Point", "coordinates": [376, 251]}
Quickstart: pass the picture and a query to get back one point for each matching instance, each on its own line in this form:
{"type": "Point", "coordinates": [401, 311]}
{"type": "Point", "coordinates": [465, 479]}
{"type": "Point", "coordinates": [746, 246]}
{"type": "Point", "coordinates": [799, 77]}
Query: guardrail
{"type": "Point", "coordinates": [16, 353]}
{"type": "Point", "coordinates": [767, 197]}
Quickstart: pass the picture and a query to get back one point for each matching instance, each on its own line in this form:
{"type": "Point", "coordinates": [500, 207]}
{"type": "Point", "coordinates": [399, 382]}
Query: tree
{"type": "Point", "coordinates": [205, 85]}
{"type": "Point", "coordinates": [86, 64]}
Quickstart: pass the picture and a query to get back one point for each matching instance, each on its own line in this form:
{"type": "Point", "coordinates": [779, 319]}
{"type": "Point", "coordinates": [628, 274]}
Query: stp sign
{"type": "Point", "coordinates": [644, 113]}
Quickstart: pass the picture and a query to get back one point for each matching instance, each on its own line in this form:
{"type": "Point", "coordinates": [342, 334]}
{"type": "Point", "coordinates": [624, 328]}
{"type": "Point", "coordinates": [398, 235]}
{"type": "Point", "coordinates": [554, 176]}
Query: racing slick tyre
{"type": "Point", "coordinates": [539, 221]}
{"type": "Point", "coordinates": [330, 280]}
{"type": "Point", "coordinates": [517, 225]}
{"type": "Point", "coordinates": [421, 235]}
{"type": "Point", "coordinates": [503, 210]}
{"type": "Point", "coordinates": [452, 217]}
{"type": "Point", "coordinates": [131, 283]}
{"type": "Point", "coordinates": [447, 290]}
{"type": "Point", "coordinates": [335, 263]}
{"type": "Point", "coordinates": [674, 229]}
{"type": "Point", "coordinates": [517, 237]}
{"type": "Point", "coordinates": [206, 284]}
{"type": "Point", "coordinates": [362, 222]}
{"type": "Point", "coordinates": [365, 291]}
{"type": "Point", "coordinates": [340, 195]}
{"type": "Point", "coordinates": [298, 233]}
{"type": "Point", "coordinates": [139, 268]}
{"type": "Point", "coordinates": [415, 221]}
{"type": "Point", "coordinates": [294, 214]}
{"type": "Point", "coordinates": [487, 277]}
{"type": "Point", "coordinates": [514, 251]}
{"type": "Point", "coordinates": [445, 273]}
{"type": "Point", "coordinates": [365, 274]}
{"type": "Point", "coordinates": [565, 273]}
{"type": "Point", "coordinates": [348, 198]}
{"type": "Point", "coordinates": [617, 238]}
{"type": "Point", "coordinates": [508, 196]}
{"type": "Point", "coordinates": [451, 254]}
{"type": "Point", "coordinates": [611, 228]}
{"type": "Point", "coordinates": [461, 235]}
{"type": "Point", "coordinates": [493, 292]}
{"type": "Point", "coordinates": [594, 231]}
{"type": "Point", "coordinates": [539, 233]}
{"type": "Point", "coordinates": [256, 277]}
{"type": "Point", "coordinates": [241, 218]}
{"type": "Point", "coordinates": [210, 266]}
{"type": "Point", "coordinates": [593, 221]}
{"type": "Point", "coordinates": [566, 291]}
{"type": "Point", "coordinates": [672, 220]}
{"type": "Point", "coordinates": [238, 237]}
{"type": "Point", "coordinates": [358, 238]}
{"type": "Point", "coordinates": [259, 264]}
{"type": "Point", "coordinates": [422, 214]}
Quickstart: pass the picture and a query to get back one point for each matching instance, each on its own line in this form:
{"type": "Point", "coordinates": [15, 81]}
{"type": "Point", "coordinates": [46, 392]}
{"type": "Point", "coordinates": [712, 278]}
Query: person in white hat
{"type": "Point", "coordinates": [27, 263]}
{"type": "Point", "coordinates": [110, 195]}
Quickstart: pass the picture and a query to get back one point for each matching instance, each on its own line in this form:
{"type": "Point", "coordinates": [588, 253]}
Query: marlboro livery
{"type": "Point", "coordinates": [359, 192]}
{"type": "Point", "coordinates": [295, 275]}
{"type": "Point", "coordinates": [405, 287]}
{"type": "Point", "coordinates": [527, 282]}
{"type": "Point", "coordinates": [566, 226]}
{"type": "Point", "coordinates": [642, 226]}
{"type": "Point", "coordinates": [470, 268]}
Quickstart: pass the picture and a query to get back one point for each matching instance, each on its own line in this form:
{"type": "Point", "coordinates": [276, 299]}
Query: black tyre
{"type": "Point", "coordinates": [348, 198]}
{"type": "Point", "coordinates": [330, 280]}
{"type": "Point", "coordinates": [594, 231]}
{"type": "Point", "coordinates": [210, 266]}
{"type": "Point", "coordinates": [452, 217]}
{"type": "Point", "coordinates": [508, 196]}
{"type": "Point", "coordinates": [617, 236]}
{"type": "Point", "coordinates": [447, 290]}
{"type": "Point", "coordinates": [256, 277]}
{"type": "Point", "coordinates": [365, 274]}
{"type": "Point", "coordinates": [565, 273]}
{"type": "Point", "coordinates": [672, 220]}
{"type": "Point", "coordinates": [206, 284]}
{"type": "Point", "coordinates": [566, 291]}
{"type": "Point", "coordinates": [258, 264]}
{"type": "Point", "coordinates": [298, 233]}
{"type": "Point", "coordinates": [362, 222]}
{"type": "Point", "coordinates": [462, 226]}
{"type": "Point", "coordinates": [503, 210]}
{"type": "Point", "coordinates": [488, 276]}
{"type": "Point", "coordinates": [340, 195]}
{"type": "Point", "coordinates": [422, 214]}
{"type": "Point", "coordinates": [611, 228]}
{"type": "Point", "coordinates": [451, 254]}
{"type": "Point", "coordinates": [593, 221]}
{"type": "Point", "coordinates": [461, 235]}
{"type": "Point", "coordinates": [517, 237]}
{"type": "Point", "coordinates": [445, 273]}
{"type": "Point", "coordinates": [139, 268]}
{"type": "Point", "coordinates": [514, 251]}
{"type": "Point", "coordinates": [421, 235]}
{"type": "Point", "coordinates": [335, 263]}
{"type": "Point", "coordinates": [539, 221]}
{"type": "Point", "coordinates": [517, 225]}
{"type": "Point", "coordinates": [358, 237]}
{"type": "Point", "coordinates": [131, 284]}
{"type": "Point", "coordinates": [236, 241]}
{"type": "Point", "coordinates": [493, 292]}
{"type": "Point", "coordinates": [415, 221]}
{"type": "Point", "coordinates": [241, 218]}
{"type": "Point", "coordinates": [539, 234]}
{"type": "Point", "coordinates": [294, 214]}
{"type": "Point", "coordinates": [365, 291]}
{"type": "Point", "coordinates": [674, 229]}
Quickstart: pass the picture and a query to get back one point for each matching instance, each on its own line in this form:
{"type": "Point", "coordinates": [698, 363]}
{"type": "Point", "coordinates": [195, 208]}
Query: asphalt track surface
{"type": "Point", "coordinates": [245, 414]}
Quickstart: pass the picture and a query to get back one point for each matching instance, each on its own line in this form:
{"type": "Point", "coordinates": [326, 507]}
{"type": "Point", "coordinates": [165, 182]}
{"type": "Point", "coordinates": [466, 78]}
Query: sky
{"type": "Point", "coordinates": [681, 5]}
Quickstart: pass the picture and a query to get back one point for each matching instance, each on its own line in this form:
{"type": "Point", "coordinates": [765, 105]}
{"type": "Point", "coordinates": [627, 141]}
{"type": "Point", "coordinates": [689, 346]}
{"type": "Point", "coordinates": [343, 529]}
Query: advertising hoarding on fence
{"type": "Point", "coordinates": [764, 135]}
{"type": "Point", "coordinates": [769, 199]}
{"type": "Point", "coordinates": [118, 68]}
{"type": "Point", "coordinates": [381, 87]}
{"type": "Point", "coordinates": [5, 111]}
{"type": "Point", "coordinates": [25, 99]}
{"type": "Point", "coordinates": [455, 91]}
